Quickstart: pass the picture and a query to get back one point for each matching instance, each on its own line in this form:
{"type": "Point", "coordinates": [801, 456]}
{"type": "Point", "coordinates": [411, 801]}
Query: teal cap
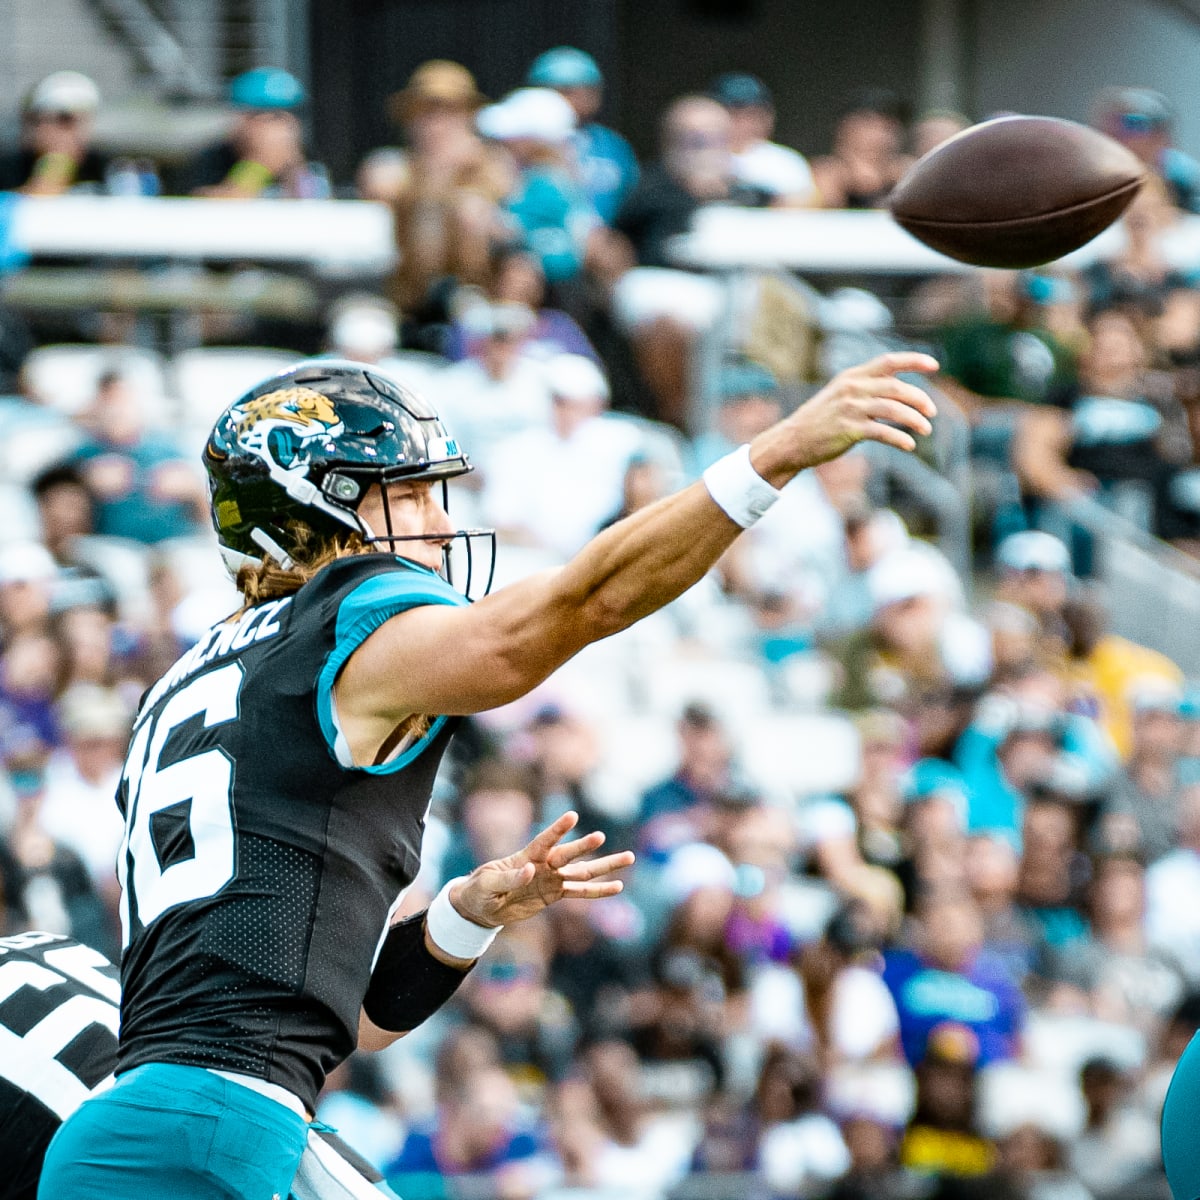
{"type": "Point", "coordinates": [564, 67]}
{"type": "Point", "coordinates": [267, 88]}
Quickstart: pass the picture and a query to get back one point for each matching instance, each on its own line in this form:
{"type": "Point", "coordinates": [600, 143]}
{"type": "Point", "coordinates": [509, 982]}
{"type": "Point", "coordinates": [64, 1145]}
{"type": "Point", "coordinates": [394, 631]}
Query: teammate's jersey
{"type": "Point", "coordinates": [58, 1044]}
{"type": "Point", "coordinates": [259, 865]}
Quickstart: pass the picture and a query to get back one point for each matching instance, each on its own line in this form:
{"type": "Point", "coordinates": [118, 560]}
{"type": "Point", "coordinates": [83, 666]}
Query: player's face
{"type": "Point", "coordinates": [414, 510]}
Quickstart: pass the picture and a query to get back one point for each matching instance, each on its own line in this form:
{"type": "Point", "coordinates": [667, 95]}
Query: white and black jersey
{"type": "Point", "coordinates": [59, 1007]}
{"type": "Point", "coordinates": [259, 864]}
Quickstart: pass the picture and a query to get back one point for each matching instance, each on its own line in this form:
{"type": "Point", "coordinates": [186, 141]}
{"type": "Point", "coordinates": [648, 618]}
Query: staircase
{"type": "Point", "coordinates": [181, 48]}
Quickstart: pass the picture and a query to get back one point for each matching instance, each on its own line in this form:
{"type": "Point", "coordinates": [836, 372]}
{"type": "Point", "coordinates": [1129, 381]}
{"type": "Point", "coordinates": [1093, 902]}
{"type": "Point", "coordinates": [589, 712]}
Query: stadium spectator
{"type": "Point", "coordinates": [81, 778]}
{"type": "Point", "coordinates": [1128, 981]}
{"type": "Point", "coordinates": [56, 154]}
{"type": "Point", "coordinates": [1141, 812]}
{"type": "Point", "coordinates": [934, 831]}
{"type": "Point", "coordinates": [706, 766]}
{"type": "Point", "coordinates": [499, 807]}
{"type": "Point", "coordinates": [264, 152]}
{"type": "Point", "coordinates": [868, 157]}
{"type": "Point", "coordinates": [516, 277]}
{"type": "Point", "coordinates": [783, 174]}
{"type": "Point", "coordinates": [27, 575]}
{"type": "Point", "coordinates": [918, 640]}
{"type": "Point", "coordinates": [143, 487]}
{"type": "Point", "coordinates": [1143, 121]}
{"type": "Point", "coordinates": [480, 1131]}
{"type": "Point", "coordinates": [1034, 573]}
{"type": "Point", "coordinates": [1118, 430]}
{"type": "Point", "coordinates": [1053, 878]}
{"type": "Point", "coordinates": [943, 1136]}
{"type": "Point", "coordinates": [748, 396]}
{"type": "Point", "coordinates": [510, 997]}
{"type": "Point", "coordinates": [66, 511]}
{"type": "Point", "coordinates": [607, 166]}
{"type": "Point", "coordinates": [992, 866]}
{"type": "Point", "coordinates": [1120, 1143]}
{"type": "Point", "coordinates": [1172, 884]}
{"type": "Point", "coordinates": [997, 348]}
{"type": "Point", "coordinates": [663, 308]}
{"type": "Point", "coordinates": [948, 978]}
{"type": "Point", "coordinates": [500, 390]}
{"type": "Point", "coordinates": [1138, 276]}
{"type": "Point", "coordinates": [933, 128]}
{"type": "Point", "coordinates": [446, 189]}
{"type": "Point", "coordinates": [585, 455]}
{"type": "Point", "coordinates": [591, 972]}
{"type": "Point", "coordinates": [1105, 671]}
{"type": "Point", "coordinates": [547, 207]}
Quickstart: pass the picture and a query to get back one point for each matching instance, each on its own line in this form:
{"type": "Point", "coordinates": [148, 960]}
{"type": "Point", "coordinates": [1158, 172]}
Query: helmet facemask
{"type": "Point", "coordinates": [471, 572]}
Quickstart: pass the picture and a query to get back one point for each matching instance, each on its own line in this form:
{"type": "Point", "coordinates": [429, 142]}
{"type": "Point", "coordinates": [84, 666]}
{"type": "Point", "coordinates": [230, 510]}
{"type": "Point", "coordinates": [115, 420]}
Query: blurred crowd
{"type": "Point", "coordinates": [916, 911]}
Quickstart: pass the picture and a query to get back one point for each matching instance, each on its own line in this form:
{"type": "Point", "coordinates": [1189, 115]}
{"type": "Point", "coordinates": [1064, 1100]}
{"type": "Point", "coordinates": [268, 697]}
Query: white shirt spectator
{"type": "Point", "coordinates": [83, 816]}
{"type": "Point", "coordinates": [864, 1019]}
{"type": "Point", "coordinates": [1172, 911]}
{"type": "Point", "coordinates": [481, 411]}
{"type": "Point", "coordinates": [559, 490]}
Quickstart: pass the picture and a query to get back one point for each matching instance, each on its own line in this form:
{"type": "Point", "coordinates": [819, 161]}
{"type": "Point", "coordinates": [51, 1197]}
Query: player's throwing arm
{"type": "Point", "coordinates": [438, 659]}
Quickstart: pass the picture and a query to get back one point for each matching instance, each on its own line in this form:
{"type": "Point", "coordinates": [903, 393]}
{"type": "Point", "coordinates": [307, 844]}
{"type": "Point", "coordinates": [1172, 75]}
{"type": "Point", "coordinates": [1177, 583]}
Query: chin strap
{"type": "Point", "coordinates": [270, 546]}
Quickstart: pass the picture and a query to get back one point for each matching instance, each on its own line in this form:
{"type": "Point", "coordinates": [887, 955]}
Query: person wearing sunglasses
{"type": "Point", "coordinates": [56, 154]}
{"type": "Point", "coordinates": [1143, 121]}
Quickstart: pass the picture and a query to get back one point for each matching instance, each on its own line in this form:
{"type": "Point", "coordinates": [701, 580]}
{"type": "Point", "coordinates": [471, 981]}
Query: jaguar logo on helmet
{"type": "Point", "coordinates": [276, 426]}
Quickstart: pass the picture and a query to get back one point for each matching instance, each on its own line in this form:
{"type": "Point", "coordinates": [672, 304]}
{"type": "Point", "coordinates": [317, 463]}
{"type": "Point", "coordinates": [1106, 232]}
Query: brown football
{"type": "Point", "coordinates": [1016, 191]}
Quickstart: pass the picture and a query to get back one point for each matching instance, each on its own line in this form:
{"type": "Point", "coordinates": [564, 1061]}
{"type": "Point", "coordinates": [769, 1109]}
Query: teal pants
{"type": "Point", "coordinates": [165, 1132]}
{"type": "Point", "coordinates": [1181, 1126]}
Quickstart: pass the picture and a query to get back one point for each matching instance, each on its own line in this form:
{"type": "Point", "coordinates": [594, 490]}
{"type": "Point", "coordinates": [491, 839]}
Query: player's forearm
{"type": "Point", "coordinates": [642, 563]}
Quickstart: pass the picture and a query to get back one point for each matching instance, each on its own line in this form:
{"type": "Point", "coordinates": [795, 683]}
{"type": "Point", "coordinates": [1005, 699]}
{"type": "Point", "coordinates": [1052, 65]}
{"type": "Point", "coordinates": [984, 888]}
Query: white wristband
{"type": "Point", "coordinates": [738, 489]}
{"type": "Point", "coordinates": [452, 932]}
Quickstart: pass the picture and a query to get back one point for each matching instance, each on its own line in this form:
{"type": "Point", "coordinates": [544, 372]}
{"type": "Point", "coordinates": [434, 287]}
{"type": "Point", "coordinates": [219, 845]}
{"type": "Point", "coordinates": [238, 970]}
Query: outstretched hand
{"type": "Point", "coordinates": [515, 888]}
{"type": "Point", "coordinates": [864, 403]}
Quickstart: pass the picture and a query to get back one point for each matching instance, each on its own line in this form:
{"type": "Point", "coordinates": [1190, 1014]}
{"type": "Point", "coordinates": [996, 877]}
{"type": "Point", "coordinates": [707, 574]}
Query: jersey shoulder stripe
{"type": "Point", "coordinates": [360, 612]}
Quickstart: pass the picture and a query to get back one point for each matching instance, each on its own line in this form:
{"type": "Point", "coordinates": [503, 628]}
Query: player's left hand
{"type": "Point", "coordinates": [513, 889]}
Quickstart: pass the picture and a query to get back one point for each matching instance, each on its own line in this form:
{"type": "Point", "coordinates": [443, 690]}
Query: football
{"type": "Point", "coordinates": [1016, 191]}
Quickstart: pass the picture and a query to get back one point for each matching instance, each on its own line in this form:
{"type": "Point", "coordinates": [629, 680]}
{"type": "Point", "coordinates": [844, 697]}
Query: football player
{"type": "Point", "coordinates": [278, 775]}
{"type": "Point", "coordinates": [59, 1010]}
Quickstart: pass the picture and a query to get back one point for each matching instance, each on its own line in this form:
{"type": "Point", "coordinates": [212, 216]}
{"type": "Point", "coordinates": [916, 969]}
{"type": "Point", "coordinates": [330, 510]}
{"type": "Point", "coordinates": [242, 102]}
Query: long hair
{"type": "Point", "coordinates": [267, 579]}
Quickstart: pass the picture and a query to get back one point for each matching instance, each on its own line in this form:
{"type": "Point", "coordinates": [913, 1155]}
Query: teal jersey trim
{"type": "Point", "coordinates": [362, 612]}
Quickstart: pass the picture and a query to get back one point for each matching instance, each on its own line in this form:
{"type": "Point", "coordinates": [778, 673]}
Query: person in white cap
{"type": "Point", "coordinates": [584, 457]}
{"type": "Point", "coordinates": [56, 152]}
{"type": "Point", "coordinates": [1034, 571]}
{"type": "Point", "coordinates": [548, 205]}
{"type": "Point", "coordinates": [919, 637]}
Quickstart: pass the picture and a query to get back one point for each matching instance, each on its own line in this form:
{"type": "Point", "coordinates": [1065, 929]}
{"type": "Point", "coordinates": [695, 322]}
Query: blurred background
{"type": "Point", "coordinates": [913, 776]}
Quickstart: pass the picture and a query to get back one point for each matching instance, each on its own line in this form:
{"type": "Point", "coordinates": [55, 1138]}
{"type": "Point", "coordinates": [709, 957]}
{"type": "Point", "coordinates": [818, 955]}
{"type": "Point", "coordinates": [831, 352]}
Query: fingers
{"type": "Point", "coordinates": [596, 867]}
{"type": "Point", "coordinates": [882, 409]}
{"type": "Point", "coordinates": [908, 394]}
{"type": "Point", "coordinates": [540, 847]}
{"type": "Point", "coordinates": [561, 855]}
{"type": "Point", "coordinates": [592, 891]}
{"type": "Point", "coordinates": [895, 362]}
{"type": "Point", "coordinates": [887, 435]}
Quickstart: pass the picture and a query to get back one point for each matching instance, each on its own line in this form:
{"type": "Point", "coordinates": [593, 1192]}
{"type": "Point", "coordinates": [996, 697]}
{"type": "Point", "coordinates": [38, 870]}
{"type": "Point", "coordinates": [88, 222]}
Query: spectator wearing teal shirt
{"type": "Point", "coordinates": [144, 488]}
{"type": "Point", "coordinates": [548, 206]}
{"type": "Point", "coordinates": [608, 168]}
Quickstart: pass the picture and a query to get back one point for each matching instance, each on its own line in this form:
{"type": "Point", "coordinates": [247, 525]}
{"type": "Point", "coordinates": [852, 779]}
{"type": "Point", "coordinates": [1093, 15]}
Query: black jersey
{"type": "Point", "coordinates": [259, 866]}
{"type": "Point", "coordinates": [58, 1044]}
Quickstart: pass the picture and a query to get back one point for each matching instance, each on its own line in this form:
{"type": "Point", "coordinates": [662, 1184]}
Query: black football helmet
{"type": "Point", "coordinates": [304, 448]}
